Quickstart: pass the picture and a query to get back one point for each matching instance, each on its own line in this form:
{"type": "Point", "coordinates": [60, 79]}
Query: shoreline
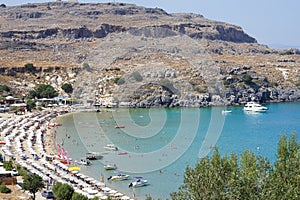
{"type": "Point", "coordinates": [29, 141]}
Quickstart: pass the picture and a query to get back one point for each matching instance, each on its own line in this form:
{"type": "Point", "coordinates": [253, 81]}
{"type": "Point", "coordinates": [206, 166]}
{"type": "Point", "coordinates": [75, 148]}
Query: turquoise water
{"type": "Point", "coordinates": [160, 143]}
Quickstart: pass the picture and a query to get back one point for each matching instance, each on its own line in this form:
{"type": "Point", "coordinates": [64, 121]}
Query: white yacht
{"type": "Point", "coordinates": [254, 107]}
{"type": "Point", "coordinates": [139, 183]}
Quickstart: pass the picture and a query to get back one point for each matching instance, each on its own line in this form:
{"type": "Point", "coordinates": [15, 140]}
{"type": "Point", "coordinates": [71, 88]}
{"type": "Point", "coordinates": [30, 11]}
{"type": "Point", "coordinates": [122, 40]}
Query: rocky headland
{"type": "Point", "coordinates": [117, 54]}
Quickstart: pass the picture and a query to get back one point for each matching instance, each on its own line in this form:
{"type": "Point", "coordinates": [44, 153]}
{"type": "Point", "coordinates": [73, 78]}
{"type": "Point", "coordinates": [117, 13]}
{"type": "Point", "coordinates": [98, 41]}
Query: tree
{"type": "Point", "coordinates": [284, 181]}
{"type": "Point", "coordinates": [8, 165]}
{"type": "Point", "coordinates": [247, 78]}
{"type": "Point", "coordinates": [4, 88]}
{"type": "Point", "coordinates": [33, 183]}
{"type": "Point", "coordinates": [30, 67]}
{"type": "Point", "coordinates": [67, 87]}
{"type": "Point", "coordinates": [77, 196]}
{"type": "Point", "coordinates": [62, 191]}
{"type": "Point", "coordinates": [45, 91]}
{"type": "Point", "coordinates": [30, 104]}
{"type": "Point", "coordinates": [250, 177]}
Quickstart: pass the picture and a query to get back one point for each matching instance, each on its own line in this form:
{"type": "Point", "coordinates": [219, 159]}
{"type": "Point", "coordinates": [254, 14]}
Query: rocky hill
{"type": "Point", "coordinates": [118, 54]}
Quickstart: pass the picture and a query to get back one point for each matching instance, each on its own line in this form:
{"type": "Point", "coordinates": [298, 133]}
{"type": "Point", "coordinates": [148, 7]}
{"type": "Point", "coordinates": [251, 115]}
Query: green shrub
{"type": "Point", "coordinates": [247, 78]}
{"type": "Point", "coordinates": [8, 166]}
{"type": "Point", "coordinates": [67, 87]}
{"type": "Point", "coordinates": [4, 189]}
{"type": "Point", "coordinates": [4, 88]}
{"type": "Point", "coordinates": [137, 76]}
{"type": "Point", "coordinates": [119, 80]}
{"type": "Point", "coordinates": [86, 66]}
{"type": "Point", "coordinates": [30, 68]}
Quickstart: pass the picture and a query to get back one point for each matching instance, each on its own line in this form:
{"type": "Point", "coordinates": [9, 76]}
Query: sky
{"type": "Point", "coordinates": [272, 22]}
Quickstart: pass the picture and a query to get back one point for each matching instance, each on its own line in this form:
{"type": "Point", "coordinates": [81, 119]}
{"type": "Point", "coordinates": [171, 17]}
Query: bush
{"type": "Point", "coordinates": [4, 88]}
{"type": "Point", "coordinates": [4, 189]}
{"type": "Point", "coordinates": [119, 80]}
{"type": "Point", "coordinates": [247, 78]}
{"type": "Point", "coordinates": [86, 66]}
{"type": "Point", "coordinates": [67, 87]}
{"type": "Point", "coordinates": [137, 76]}
{"type": "Point", "coordinates": [30, 68]}
{"type": "Point", "coordinates": [8, 166]}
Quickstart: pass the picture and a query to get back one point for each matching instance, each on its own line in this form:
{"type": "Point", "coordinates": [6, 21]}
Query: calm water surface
{"type": "Point", "coordinates": [160, 143]}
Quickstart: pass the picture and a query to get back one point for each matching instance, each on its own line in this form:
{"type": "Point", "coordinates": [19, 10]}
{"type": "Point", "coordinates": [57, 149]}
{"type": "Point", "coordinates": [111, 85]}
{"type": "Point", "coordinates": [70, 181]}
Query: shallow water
{"type": "Point", "coordinates": [160, 142]}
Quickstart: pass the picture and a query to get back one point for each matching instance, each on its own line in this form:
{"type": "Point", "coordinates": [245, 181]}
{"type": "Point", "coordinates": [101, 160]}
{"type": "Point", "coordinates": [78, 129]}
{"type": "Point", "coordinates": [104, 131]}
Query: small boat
{"type": "Point", "coordinates": [93, 156]}
{"type": "Point", "coordinates": [119, 126]}
{"type": "Point", "coordinates": [123, 153]}
{"type": "Point", "coordinates": [119, 177]}
{"type": "Point", "coordinates": [139, 183]}
{"type": "Point", "coordinates": [111, 147]}
{"type": "Point", "coordinates": [110, 166]}
{"type": "Point", "coordinates": [254, 107]}
{"type": "Point", "coordinates": [83, 162]}
{"type": "Point", "coordinates": [226, 111]}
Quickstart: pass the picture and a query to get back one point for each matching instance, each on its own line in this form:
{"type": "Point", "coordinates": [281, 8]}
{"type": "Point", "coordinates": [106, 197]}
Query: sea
{"type": "Point", "coordinates": [158, 143]}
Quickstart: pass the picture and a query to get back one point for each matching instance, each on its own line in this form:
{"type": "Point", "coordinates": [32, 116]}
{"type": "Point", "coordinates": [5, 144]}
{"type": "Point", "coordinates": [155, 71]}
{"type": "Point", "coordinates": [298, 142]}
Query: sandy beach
{"type": "Point", "coordinates": [31, 138]}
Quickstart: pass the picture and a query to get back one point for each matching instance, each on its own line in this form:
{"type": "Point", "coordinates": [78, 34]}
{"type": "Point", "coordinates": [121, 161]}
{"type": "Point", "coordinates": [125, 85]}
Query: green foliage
{"type": "Point", "coordinates": [21, 171]}
{"type": "Point", "coordinates": [8, 166]}
{"type": "Point", "coordinates": [43, 91]}
{"type": "Point", "coordinates": [167, 84]}
{"type": "Point", "coordinates": [287, 52]}
{"type": "Point", "coordinates": [33, 183]}
{"type": "Point", "coordinates": [4, 88]}
{"type": "Point", "coordinates": [119, 80]}
{"type": "Point", "coordinates": [4, 189]}
{"type": "Point", "coordinates": [62, 191]}
{"type": "Point", "coordinates": [284, 181]}
{"type": "Point", "coordinates": [67, 87]}
{"type": "Point", "coordinates": [250, 177]}
{"type": "Point", "coordinates": [2, 5]}
{"type": "Point", "coordinates": [30, 67]}
{"type": "Point", "coordinates": [86, 66]}
{"type": "Point", "coordinates": [30, 104]}
{"type": "Point", "coordinates": [247, 78]}
{"type": "Point", "coordinates": [199, 90]}
{"type": "Point", "coordinates": [137, 76]}
{"type": "Point", "coordinates": [77, 196]}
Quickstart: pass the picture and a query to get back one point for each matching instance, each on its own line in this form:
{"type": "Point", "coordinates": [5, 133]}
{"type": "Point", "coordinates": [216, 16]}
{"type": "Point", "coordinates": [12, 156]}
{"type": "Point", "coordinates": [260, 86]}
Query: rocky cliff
{"type": "Point", "coordinates": [120, 54]}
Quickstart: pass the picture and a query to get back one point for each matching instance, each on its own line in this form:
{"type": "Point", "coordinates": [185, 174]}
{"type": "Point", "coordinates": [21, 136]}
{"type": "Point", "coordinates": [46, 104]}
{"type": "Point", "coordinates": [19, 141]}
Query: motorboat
{"type": "Point", "coordinates": [139, 183]}
{"type": "Point", "coordinates": [111, 147]}
{"type": "Point", "coordinates": [93, 156]}
{"type": "Point", "coordinates": [110, 166]}
{"type": "Point", "coordinates": [226, 111]}
{"type": "Point", "coordinates": [83, 162]}
{"type": "Point", "coordinates": [119, 177]}
{"type": "Point", "coordinates": [254, 107]}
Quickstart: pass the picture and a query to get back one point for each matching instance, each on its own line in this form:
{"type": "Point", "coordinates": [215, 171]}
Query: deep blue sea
{"type": "Point", "coordinates": [158, 143]}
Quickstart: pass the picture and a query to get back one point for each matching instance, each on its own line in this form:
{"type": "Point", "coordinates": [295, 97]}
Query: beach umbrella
{"type": "Point", "coordinates": [106, 189]}
{"type": "Point", "coordinates": [125, 198]}
{"type": "Point", "coordinates": [75, 168]}
{"type": "Point", "coordinates": [118, 194]}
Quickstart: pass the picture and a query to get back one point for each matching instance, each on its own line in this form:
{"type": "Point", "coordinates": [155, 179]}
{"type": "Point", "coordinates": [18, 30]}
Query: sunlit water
{"type": "Point", "coordinates": [160, 143]}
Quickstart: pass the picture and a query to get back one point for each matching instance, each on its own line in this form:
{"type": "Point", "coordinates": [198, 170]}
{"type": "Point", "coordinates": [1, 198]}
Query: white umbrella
{"type": "Point", "coordinates": [125, 198]}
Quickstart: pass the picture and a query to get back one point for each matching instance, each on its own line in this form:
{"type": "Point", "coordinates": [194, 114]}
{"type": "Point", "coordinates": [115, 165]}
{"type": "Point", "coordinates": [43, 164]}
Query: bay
{"type": "Point", "coordinates": [158, 143]}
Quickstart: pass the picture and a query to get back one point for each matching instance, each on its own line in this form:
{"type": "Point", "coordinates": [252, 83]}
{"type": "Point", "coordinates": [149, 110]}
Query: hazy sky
{"type": "Point", "coordinates": [272, 22]}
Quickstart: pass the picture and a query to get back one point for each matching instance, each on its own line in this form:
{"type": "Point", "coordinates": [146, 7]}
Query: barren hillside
{"type": "Point", "coordinates": [126, 55]}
